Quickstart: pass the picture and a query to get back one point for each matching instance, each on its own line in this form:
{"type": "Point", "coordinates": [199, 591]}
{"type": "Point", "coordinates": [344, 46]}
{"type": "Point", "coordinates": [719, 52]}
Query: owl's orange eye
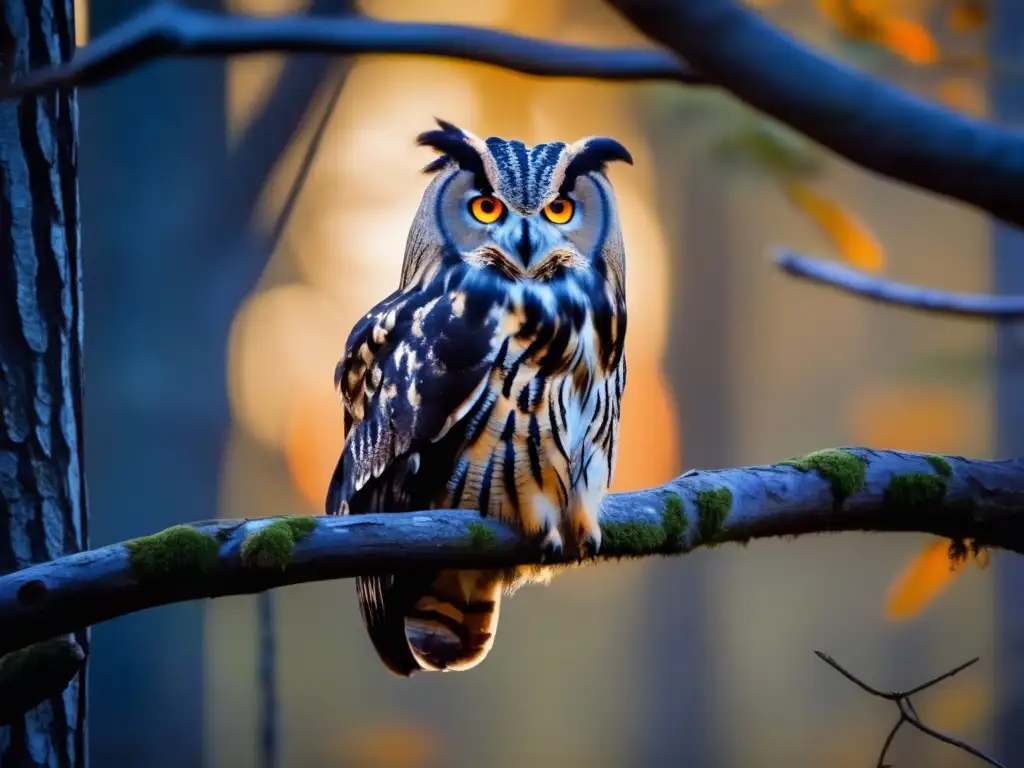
{"type": "Point", "coordinates": [486, 209]}
{"type": "Point", "coordinates": [559, 210]}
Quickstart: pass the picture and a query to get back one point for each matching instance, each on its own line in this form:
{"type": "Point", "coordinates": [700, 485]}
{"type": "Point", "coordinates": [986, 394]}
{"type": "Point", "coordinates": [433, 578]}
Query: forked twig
{"type": "Point", "coordinates": [907, 712]}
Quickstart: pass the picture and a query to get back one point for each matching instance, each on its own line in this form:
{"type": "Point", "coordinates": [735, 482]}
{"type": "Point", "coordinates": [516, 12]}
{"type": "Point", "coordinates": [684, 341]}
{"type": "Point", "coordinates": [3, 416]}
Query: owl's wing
{"type": "Point", "coordinates": [413, 367]}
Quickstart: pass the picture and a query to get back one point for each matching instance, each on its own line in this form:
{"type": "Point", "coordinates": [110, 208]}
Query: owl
{"type": "Point", "coordinates": [490, 380]}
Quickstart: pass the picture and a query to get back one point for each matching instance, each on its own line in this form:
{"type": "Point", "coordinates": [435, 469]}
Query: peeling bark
{"type": "Point", "coordinates": [42, 492]}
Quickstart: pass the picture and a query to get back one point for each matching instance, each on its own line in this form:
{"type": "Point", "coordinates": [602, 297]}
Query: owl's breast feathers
{"type": "Point", "coordinates": [482, 393]}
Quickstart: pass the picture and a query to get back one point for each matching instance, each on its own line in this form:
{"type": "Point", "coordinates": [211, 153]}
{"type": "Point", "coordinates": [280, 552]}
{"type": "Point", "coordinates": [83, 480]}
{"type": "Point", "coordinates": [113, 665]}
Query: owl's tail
{"type": "Point", "coordinates": [436, 621]}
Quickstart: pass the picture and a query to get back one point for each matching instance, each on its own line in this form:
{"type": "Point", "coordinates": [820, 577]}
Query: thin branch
{"type": "Point", "coordinates": [851, 677]}
{"type": "Point", "coordinates": [888, 741]}
{"type": "Point", "coordinates": [906, 709]}
{"type": "Point", "coordinates": [871, 123]}
{"type": "Point", "coordinates": [939, 679]}
{"type": "Point", "coordinates": [170, 30]}
{"type": "Point", "coordinates": [912, 720]}
{"type": "Point", "coordinates": [879, 289]}
{"type": "Point", "coordinates": [850, 489]}
{"type": "Point", "coordinates": [268, 751]}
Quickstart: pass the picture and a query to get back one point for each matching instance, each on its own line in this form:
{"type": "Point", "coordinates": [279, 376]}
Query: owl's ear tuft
{"type": "Point", "coordinates": [594, 154]}
{"type": "Point", "coordinates": [453, 144]}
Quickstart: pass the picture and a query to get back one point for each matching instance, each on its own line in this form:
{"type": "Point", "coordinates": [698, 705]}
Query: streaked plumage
{"type": "Point", "coordinates": [491, 379]}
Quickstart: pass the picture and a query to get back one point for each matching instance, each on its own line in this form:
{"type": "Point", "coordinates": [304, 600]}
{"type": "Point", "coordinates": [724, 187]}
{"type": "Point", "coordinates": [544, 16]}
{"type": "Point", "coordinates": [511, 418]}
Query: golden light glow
{"type": "Point", "coordinates": [391, 745]}
{"type": "Point", "coordinates": [490, 13]}
{"type": "Point", "coordinates": [649, 443]}
{"type": "Point", "coordinates": [81, 22]}
{"type": "Point", "coordinates": [251, 79]}
{"type": "Point", "coordinates": [314, 442]}
{"type": "Point", "coordinates": [284, 341]}
{"type": "Point", "coordinates": [911, 419]}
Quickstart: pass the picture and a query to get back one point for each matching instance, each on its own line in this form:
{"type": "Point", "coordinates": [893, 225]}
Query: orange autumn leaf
{"type": "Point", "coordinates": [851, 238]}
{"type": "Point", "coordinates": [908, 39]}
{"type": "Point", "coordinates": [924, 578]}
{"type": "Point", "coordinates": [927, 576]}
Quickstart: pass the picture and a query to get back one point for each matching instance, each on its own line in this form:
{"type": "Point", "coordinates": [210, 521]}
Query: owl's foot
{"type": "Point", "coordinates": [551, 544]}
{"type": "Point", "coordinates": [584, 525]}
{"type": "Point", "coordinates": [540, 518]}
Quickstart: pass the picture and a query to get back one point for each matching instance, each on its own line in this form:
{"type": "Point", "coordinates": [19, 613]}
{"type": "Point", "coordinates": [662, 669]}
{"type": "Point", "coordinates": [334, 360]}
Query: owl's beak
{"type": "Point", "coordinates": [521, 240]}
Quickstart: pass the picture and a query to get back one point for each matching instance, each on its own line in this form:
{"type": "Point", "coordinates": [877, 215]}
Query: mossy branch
{"type": "Point", "coordinates": [847, 489]}
{"type": "Point", "coordinates": [168, 30]}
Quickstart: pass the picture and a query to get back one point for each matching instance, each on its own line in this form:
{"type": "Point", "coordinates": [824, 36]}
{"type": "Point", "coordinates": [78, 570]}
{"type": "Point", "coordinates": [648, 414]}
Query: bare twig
{"type": "Point", "coordinates": [871, 123]}
{"type": "Point", "coordinates": [170, 30]}
{"type": "Point", "coordinates": [879, 289]}
{"type": "Point", "coordinates": [850, 489]}
{"type": "Point", "coordinates": [906, 709]}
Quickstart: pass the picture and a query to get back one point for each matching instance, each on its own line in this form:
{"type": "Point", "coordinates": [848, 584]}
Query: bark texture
{"type": "Point", "coordinates": [42, 493]}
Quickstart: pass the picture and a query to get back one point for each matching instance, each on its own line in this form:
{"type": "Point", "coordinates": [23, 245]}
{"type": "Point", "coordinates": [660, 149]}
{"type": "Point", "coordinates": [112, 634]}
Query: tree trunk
{"type": "Point", "coordinates": [42, 485]}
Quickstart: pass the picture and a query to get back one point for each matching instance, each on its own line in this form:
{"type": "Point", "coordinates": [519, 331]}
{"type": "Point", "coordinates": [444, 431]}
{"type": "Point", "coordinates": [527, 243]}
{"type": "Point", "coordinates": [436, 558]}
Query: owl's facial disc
{"type": "Point", "coordinates": [527, 245]}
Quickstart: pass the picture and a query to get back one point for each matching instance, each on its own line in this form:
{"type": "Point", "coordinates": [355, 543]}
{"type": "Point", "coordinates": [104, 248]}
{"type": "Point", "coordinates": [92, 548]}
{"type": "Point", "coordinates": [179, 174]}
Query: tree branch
{"type": "Point", "coordinates": [849, 280]}
{"type": "Point", "coordinates": [876, 125]}
{"type": "Point", "coordinates": [850, 489]}
{"type": "Point", "coordinates": [169, 30]}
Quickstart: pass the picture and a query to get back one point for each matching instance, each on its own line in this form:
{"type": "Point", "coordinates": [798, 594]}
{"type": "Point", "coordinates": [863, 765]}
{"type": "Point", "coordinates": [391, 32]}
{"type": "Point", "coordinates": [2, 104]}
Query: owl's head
{"type": "Point", "coordinates": [525, 213]}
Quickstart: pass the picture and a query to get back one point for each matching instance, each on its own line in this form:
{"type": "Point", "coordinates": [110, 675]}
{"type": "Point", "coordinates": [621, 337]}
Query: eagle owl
{"type": "Point", "coordinates": [490, 380]}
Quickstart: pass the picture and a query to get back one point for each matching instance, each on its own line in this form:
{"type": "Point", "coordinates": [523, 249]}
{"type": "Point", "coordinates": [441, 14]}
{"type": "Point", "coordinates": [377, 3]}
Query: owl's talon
{"type": "Point", "coordinates": [551, 544]}
{"type": "Point", "coordinates": [592, 541]}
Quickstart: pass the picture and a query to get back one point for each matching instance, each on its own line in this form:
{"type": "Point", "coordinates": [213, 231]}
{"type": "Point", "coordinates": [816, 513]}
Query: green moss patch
{"type": "Point", "coordinates": [940, 465]}
{"type": "Point", "coordinates": [845, 471]}
{"type": "Point", "coordinates": [636, 538]}
{"type": "Point", "coordinates": [632, 538]}
{"type": "Point", "coordinates": [673, 519]}
{"type": "Point", "coordinates": [713, 505]}
{"type": "Point", "coordinates": [915, 491]}
{"type": "Point", "coordinates": [300, 526]}
{"type": "Point", "coordinates": [272, 546]}
{"type": "Point", "coordinates": [482, 537]}
{"type": "Point", "coordinates": [179, 551]}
